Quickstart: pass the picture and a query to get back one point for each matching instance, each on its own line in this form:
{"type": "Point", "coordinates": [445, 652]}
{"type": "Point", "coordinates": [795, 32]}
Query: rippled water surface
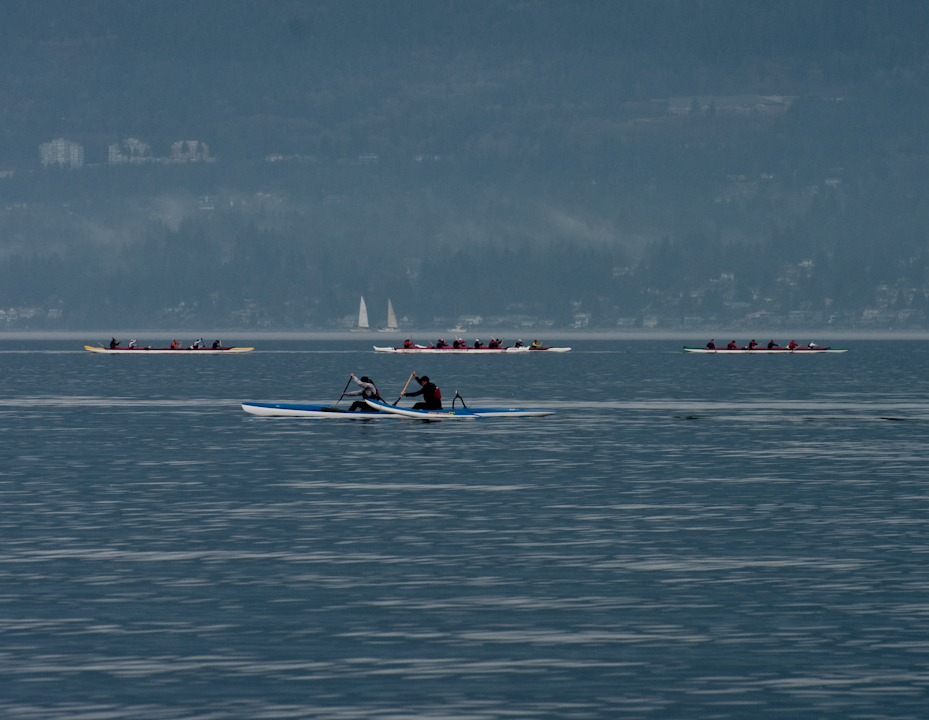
{"type": "Point", "coordinates": [688, 537]}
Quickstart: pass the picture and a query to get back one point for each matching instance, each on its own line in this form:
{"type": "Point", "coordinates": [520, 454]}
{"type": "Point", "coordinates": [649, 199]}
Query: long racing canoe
{"type": "Point", "coordinates": [470, 350]}
{"type": "Point", "coordinates": [765, 351]}
{"type": "Point", "coordinates": [167, 350]}
{"type": "Point", "coordinates": [461, 413]}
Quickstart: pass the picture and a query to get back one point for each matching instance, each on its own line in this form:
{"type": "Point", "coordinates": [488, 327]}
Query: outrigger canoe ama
{"type": "Point", "coordinates": [461, 413]}
{"type": "Point", "coordinates": [765, 351]}
{"type": "Point", "coordinates": [304, 410]}
{"type": "Point", "coordinates": [167, 351]}
{"type": "Point", "coordinates": [470, 350]}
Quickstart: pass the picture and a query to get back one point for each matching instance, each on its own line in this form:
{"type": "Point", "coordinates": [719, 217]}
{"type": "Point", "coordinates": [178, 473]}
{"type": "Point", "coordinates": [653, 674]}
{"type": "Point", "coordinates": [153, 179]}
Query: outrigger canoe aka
{"type": "Point", "coordinates": [203, 350]}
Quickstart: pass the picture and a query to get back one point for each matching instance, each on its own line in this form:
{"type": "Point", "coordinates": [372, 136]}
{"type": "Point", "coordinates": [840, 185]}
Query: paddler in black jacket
{"type": "Point", "coordinates": [432, 396]}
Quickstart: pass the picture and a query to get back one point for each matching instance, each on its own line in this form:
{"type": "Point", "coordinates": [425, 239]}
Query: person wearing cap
{"type": "Point", "coordinates": [367, 390]}
{"type": "Point", "coordinates": [478, 344]}
{"type": "Point", "coordinates": [432, 396]}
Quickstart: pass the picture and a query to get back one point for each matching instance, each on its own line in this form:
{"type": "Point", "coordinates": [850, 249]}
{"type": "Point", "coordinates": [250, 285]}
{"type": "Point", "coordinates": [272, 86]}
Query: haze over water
{"type": "Point", "coordinates": [689, 536]}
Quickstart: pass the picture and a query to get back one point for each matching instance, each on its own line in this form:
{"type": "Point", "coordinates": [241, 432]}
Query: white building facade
{"type": "Point", "coordinates": [63, 153]}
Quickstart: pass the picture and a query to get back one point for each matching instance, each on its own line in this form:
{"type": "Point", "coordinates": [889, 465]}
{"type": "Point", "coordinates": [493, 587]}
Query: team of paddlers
{"type": "Point", "coordinates": [459, 344]}
{"type": "Point", "coordinates": [711, 345]}
{"type": "Point", "coordinates": [175, 345]}
{"type": "Point", "coordinates": [432, 396]}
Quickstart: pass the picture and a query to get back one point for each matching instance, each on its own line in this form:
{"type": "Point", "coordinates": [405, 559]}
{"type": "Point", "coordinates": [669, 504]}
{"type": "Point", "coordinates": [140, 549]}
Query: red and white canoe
{"type": "Point", "coordinates": [419, 349]}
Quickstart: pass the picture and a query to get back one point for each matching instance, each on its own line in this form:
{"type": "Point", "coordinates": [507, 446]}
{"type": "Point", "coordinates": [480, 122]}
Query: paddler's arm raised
{"type": "Point", "coordinates": [421, 390]}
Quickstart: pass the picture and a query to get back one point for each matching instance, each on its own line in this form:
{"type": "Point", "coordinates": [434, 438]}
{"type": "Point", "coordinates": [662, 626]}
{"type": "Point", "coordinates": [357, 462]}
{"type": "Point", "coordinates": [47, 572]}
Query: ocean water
{"type": "Point", "coordinates": [688, 537]}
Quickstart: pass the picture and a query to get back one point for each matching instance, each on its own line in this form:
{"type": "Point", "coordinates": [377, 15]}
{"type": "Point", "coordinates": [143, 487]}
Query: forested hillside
{"type": "Point", "coordinates": [583, 164]}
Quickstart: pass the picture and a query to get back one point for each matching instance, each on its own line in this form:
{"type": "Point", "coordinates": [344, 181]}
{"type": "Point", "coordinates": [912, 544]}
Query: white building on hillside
{"type": "Point", "coordinates": [61, 152]}
{"type": "Point", "coordinates": [190, 151]}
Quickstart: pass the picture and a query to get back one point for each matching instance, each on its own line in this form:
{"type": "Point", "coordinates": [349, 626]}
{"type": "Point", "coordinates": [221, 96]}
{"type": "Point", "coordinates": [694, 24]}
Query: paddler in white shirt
{"type": "Point", "coordinates": [367, 390]}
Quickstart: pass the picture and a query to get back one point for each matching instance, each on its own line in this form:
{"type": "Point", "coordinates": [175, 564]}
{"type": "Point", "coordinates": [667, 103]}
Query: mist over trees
{"type": "Point", "coordinates": [543, 163]}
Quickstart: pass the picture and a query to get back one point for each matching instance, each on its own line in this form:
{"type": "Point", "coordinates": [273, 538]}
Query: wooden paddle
{"type": "Point", "coordinates": [412, 375]}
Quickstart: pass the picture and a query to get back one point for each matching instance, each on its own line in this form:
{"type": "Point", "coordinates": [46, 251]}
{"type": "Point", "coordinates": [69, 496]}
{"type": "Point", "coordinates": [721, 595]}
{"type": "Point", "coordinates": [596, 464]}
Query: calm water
{"type": "Point", "coordinates": [689, 537]}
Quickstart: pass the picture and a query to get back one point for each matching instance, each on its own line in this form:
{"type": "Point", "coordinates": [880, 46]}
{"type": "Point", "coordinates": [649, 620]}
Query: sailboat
{"type": "Point", "coordinates": [362, 318]}
{"type": "Point", "coordinates": [391, 319]}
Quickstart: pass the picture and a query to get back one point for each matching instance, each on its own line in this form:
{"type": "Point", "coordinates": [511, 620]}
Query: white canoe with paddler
{"type": "Point", "coordinates": [310, 410]}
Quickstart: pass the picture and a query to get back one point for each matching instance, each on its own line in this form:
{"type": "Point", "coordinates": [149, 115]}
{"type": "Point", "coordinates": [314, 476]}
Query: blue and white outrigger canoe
{"type": "Point", "coordinates": [305, 410]}
{"type": "Point", "coordinates": [460, 413]}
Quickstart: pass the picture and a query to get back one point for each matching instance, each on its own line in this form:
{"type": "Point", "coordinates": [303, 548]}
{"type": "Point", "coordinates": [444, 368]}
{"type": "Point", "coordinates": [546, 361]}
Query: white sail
{"type": "Point", "coordinates": [391, 317]}
{"type": "Point", "coordinates": [362, 315]}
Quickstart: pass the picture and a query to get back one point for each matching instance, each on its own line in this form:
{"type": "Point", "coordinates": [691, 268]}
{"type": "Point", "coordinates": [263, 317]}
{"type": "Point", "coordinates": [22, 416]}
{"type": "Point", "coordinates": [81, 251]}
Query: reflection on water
{"type": "Point", "coordinates": [685, 538]}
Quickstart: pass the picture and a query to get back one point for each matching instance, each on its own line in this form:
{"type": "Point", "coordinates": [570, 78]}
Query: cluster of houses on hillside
{"type": "Point", "coordinates": [65, 153]}
{"type": "Point", "coordinates": [61, 152]}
